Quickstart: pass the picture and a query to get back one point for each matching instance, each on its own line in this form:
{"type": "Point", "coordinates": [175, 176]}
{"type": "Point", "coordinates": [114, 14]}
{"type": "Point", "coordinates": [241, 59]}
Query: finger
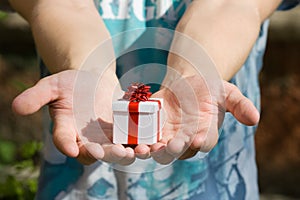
{"type": "Point", "coordinates": [205, 141]}
{"type": "Point", "coordinates": [157, 146]}
{"type": "Point", "coordinates": [241, 107]}
{"type": "Point", "coordinates": [85, 156]}
{"type": "Point", "coordinates": [64, 136]}
{"type": "Point", "coordinates": [188, 154]}
{"type": "Point", "coordinates": [129, 158]}
{"type": "Point", "coordinates": [142, 151]}
{"type": "Point", "coordinates": [113, 153]}
{"type": "Point", "coordinates": [177, 145]}
{"type": "Point", "coordinates": [32, 99]}
{"type": "Point", "coordinates": [160, 155]}
{"type": "Point", "coordinates": [90, 152]}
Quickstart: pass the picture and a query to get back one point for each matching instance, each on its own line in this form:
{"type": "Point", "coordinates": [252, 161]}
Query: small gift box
{"type": "Point", "coordinates": [137, 118]}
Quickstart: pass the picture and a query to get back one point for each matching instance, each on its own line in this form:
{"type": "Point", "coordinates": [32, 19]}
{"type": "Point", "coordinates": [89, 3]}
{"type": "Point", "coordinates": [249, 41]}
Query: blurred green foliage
{"type": "Point", "coordinates": [3, 15]}
{"type": "Point", "coordinates": [19, 169]}
{"type": "Point", "coordinates": [7, 152]}
{"type": "Point", "coordinates": [19, 160]}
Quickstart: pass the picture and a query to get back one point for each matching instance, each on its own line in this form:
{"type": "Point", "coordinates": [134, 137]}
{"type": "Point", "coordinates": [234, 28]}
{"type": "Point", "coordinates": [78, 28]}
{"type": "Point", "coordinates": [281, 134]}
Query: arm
{"type": "Point", "coordinates": [227, 30]}
{"type": "Point", "coordinates": [65, 33]}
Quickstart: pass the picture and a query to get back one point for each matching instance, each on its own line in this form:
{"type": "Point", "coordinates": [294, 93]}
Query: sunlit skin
{"type": "Point", "coordinates": [187, 130]}
{"type": "Point", "coordinates": [61, 49]}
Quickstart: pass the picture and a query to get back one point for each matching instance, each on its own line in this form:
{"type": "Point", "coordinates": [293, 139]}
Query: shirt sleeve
{"type": "Point", "coordinates": [288, 4]}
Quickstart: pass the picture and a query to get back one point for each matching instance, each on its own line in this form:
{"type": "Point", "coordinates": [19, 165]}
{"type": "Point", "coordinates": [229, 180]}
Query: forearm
{"type": "Point", "coordinates": [227, 30]}
{"type": "Point", "coordinates": [65, 32]}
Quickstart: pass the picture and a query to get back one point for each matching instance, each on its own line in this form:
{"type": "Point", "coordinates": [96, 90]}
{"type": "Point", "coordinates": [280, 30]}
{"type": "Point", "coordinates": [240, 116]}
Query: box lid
{"type": "Point", "coordinates": [150, 106]}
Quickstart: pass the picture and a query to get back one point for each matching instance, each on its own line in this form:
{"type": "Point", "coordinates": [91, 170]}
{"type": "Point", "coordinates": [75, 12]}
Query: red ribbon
{"type": "Point", "coordinates": [138, 92]}
{"type": "Point", "coordinates": [133, 122]}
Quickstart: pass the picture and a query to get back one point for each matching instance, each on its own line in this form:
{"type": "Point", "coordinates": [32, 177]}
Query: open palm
{"type": "Point", "coordinates": [65, 101]}
{"type": "Point", "coordinates": [194, 116]}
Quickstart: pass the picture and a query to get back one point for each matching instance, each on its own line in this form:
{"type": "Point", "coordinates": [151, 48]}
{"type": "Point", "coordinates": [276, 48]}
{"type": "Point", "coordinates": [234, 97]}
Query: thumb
{"type": "Point", "coordinates": [32, 99]}
{"type": "Point", "coordinates": [240, 106]}
{"type": "Point", "coordinates": [64, 135]}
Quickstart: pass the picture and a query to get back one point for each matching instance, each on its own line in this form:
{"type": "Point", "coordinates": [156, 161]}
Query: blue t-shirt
{"type": "Point", "coordinates": [228, 172]}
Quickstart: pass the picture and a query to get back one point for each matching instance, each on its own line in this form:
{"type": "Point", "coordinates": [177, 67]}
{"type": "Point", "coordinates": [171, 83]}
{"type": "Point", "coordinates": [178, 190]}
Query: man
{"type": "Point", "coordinates": [233, 33]}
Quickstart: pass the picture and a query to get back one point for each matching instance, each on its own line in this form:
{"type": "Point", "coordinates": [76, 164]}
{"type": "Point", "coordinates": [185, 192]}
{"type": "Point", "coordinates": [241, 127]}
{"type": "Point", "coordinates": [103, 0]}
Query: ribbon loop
{"type": "Point", "coordinates": [137, 92]}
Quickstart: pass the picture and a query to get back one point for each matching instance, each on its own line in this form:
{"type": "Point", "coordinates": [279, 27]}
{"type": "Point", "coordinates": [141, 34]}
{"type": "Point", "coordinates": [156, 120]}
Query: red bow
{"type": "Point", "coordinates": [137, 92]}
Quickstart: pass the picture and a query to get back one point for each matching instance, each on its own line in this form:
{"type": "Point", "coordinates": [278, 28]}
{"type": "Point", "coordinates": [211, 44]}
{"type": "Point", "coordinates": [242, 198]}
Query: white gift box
{"type": "Point", "coordinates": [137, 122]}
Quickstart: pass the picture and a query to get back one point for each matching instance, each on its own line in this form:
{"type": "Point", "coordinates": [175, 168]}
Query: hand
{"type": "Point", "coordinates": [193, 117]}
{"type": "Point", "coordinates": [66, 94]}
